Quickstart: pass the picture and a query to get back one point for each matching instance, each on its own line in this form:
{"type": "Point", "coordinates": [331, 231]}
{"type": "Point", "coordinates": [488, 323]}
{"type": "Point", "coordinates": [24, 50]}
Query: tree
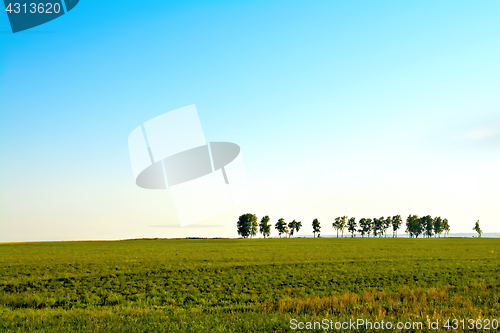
{"type": "Point", "coordinates": [378, 226]}
{"type": "Point", "coordinates": [438, 226]}
{"type": "Point", "coordinates": [446, 226]}
{"type": "Point", "coordinates": [336, 225]}
{"type": "Point", "coordinates": [396, 223]}
{"type": "Point", "coordinates": [413, 226]}
{"type": "Point", "coordinates": [247, 225]}
{"type": "Point", "coordinates": [254, 226]}
{"type": "Point", "coordinates": [352, 226]}
{"type": "Point", "coordinates": [298, 225]}
{"type": "Point", "coordinates": [340, 224]}
{"type": "Point", "coordinates": [293, 226]}
{"type": "Point", "coordinates": [477, 229]}
{"type": "Point", "coordinates": [428, 225]}
{"type": "Point", "coordinates": [316, 227]}
{"type": "Point", "coordinates": [365, 226]}
{"type": "Point", "coordinates": [343, 224]}
{"type": "Point", "coordinates": [369, 225]}
{"type": "Point", "coordinates": [281, 227]}
{"type": "Point", "coordinates": [375, 226]}
{"type": "Point", "coordinates": [387, 223]}
{"type": "Point", "coordinates": [265, 227]}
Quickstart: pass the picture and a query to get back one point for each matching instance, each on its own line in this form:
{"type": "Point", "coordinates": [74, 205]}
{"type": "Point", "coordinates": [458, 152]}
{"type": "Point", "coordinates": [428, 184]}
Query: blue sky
{"type": "Point", "coordinates": [341, 108]}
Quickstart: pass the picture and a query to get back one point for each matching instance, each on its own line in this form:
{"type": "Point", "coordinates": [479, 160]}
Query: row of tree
{"type": "Point", "coordinates": [426, 225]}
{"type": "Point", "coordinates": [248, 226]}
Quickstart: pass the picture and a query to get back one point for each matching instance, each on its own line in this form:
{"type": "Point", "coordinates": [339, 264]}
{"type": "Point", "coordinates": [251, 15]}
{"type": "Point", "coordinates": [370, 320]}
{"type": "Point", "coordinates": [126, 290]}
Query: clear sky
{"type": "Point", "coordinates": [358, 108]}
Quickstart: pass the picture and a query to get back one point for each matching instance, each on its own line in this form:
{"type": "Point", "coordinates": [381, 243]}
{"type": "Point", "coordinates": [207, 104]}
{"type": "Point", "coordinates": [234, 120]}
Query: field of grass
{"type": "Point", "coordinates": [244, 285]}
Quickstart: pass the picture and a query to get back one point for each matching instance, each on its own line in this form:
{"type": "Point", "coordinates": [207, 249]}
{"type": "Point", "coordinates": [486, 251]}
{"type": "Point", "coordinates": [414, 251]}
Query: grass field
{"type": "Point", "coordinates": [244, 285]}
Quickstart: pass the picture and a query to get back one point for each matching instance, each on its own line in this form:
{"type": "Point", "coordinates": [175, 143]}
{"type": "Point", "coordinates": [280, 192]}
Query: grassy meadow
{"type": "Point", "coordinates": [244, 285]}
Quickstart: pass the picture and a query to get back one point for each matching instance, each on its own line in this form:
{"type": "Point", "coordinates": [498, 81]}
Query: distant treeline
{"type": "Point", "coordinates": [248, 226]}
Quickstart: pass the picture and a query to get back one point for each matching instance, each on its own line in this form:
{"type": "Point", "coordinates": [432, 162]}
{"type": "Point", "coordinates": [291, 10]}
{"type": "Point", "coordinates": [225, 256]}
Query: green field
{"type": "Point", "coordinates": [244, 285]}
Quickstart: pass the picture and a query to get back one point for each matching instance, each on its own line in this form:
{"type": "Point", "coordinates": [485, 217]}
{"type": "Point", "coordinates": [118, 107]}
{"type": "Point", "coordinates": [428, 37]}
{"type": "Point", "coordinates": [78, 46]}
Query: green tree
{"type": "Point", "coordinates": [291, 228]}
{"type": "Point", "coordinates": [369, 225]}
{"type": "Point", "coordinates": [387, 223]}
{"type": "Point", "coordinates": [396, 223]}
{"type": "Point", "coordinates": [365, 227]}
{"type": "Point", "coordinates": [413, 226]}
{"type": "Point", "coordinates": [247, 225]}
{"type": "Point", "coordinates": [281, 227]}
{"type": "Point", "coordinates": [362, 226]}
{"type": "Point", "coordinates": [265, 227]}
{"type": "Point", "coordinates": [428, 225]}
{"type": "Point", "coordinates": [446, 226]}
{"type": "Point", "coordinates": [298, 225]}
{"type": "Point", "coordinates": [351, 224]}
{"type": "Point", "coordinates": [438, 226]}
{"type": "Point", "coordinates": [254, 227]}
{"type": "Point", "coordinates": [477, 229]}
{"type": "Point", "coordinates": [378, 226]}
{"type": "Point", "coordinates": [343, 224]}
{"type": "Point", "coordinates": [316, 227]}
{"type": "Point", "coordinates": [375, 225]}
{"type": "Point", "coordinates": [340, 224]}
{"type": "Point", "coordinates": [336, 225]}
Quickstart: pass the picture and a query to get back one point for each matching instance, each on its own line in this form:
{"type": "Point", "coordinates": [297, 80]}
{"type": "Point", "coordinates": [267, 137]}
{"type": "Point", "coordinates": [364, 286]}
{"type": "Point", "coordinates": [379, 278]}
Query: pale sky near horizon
{"type": "Point", "coordinates": [340, 108]}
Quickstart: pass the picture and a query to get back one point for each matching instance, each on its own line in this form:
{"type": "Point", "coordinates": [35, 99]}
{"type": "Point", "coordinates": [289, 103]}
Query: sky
{"type": "Point", "coordinates": [354, 108]}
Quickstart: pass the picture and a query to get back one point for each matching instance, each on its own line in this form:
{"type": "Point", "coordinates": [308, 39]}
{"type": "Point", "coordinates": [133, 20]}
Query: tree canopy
{"type": "Point", "coordinates": [396, 223]}
{"type": "Point", "coordinates": [365, 225]}
{"type": "Point", "coordinates": [351, 225]}
{"type": "Point", "coordinates": [316, 227]}
{"type": "Point", "coordinates": [340, 224]}
{"type": "Point", "coordinates": [438, 226]}
{"type": "Point", "coordinates": [247, 225]}
{"type": "Point", "coordinates": [477, 229]}
{"type": "Point", "coordinates": [446, 226]}
{"type": "Point", "coordinates": [427, 224]}
{"type": "Point", "coordinates": [281, 226]}
{"type": "Point", "coordinates": [265, 227]}
{"type": "Point", "coordinates": [413, 226]}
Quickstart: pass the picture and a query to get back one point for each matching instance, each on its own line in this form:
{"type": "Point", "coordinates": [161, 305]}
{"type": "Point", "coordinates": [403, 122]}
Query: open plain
{"type": "Point", "coordinates": [245, 285]}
